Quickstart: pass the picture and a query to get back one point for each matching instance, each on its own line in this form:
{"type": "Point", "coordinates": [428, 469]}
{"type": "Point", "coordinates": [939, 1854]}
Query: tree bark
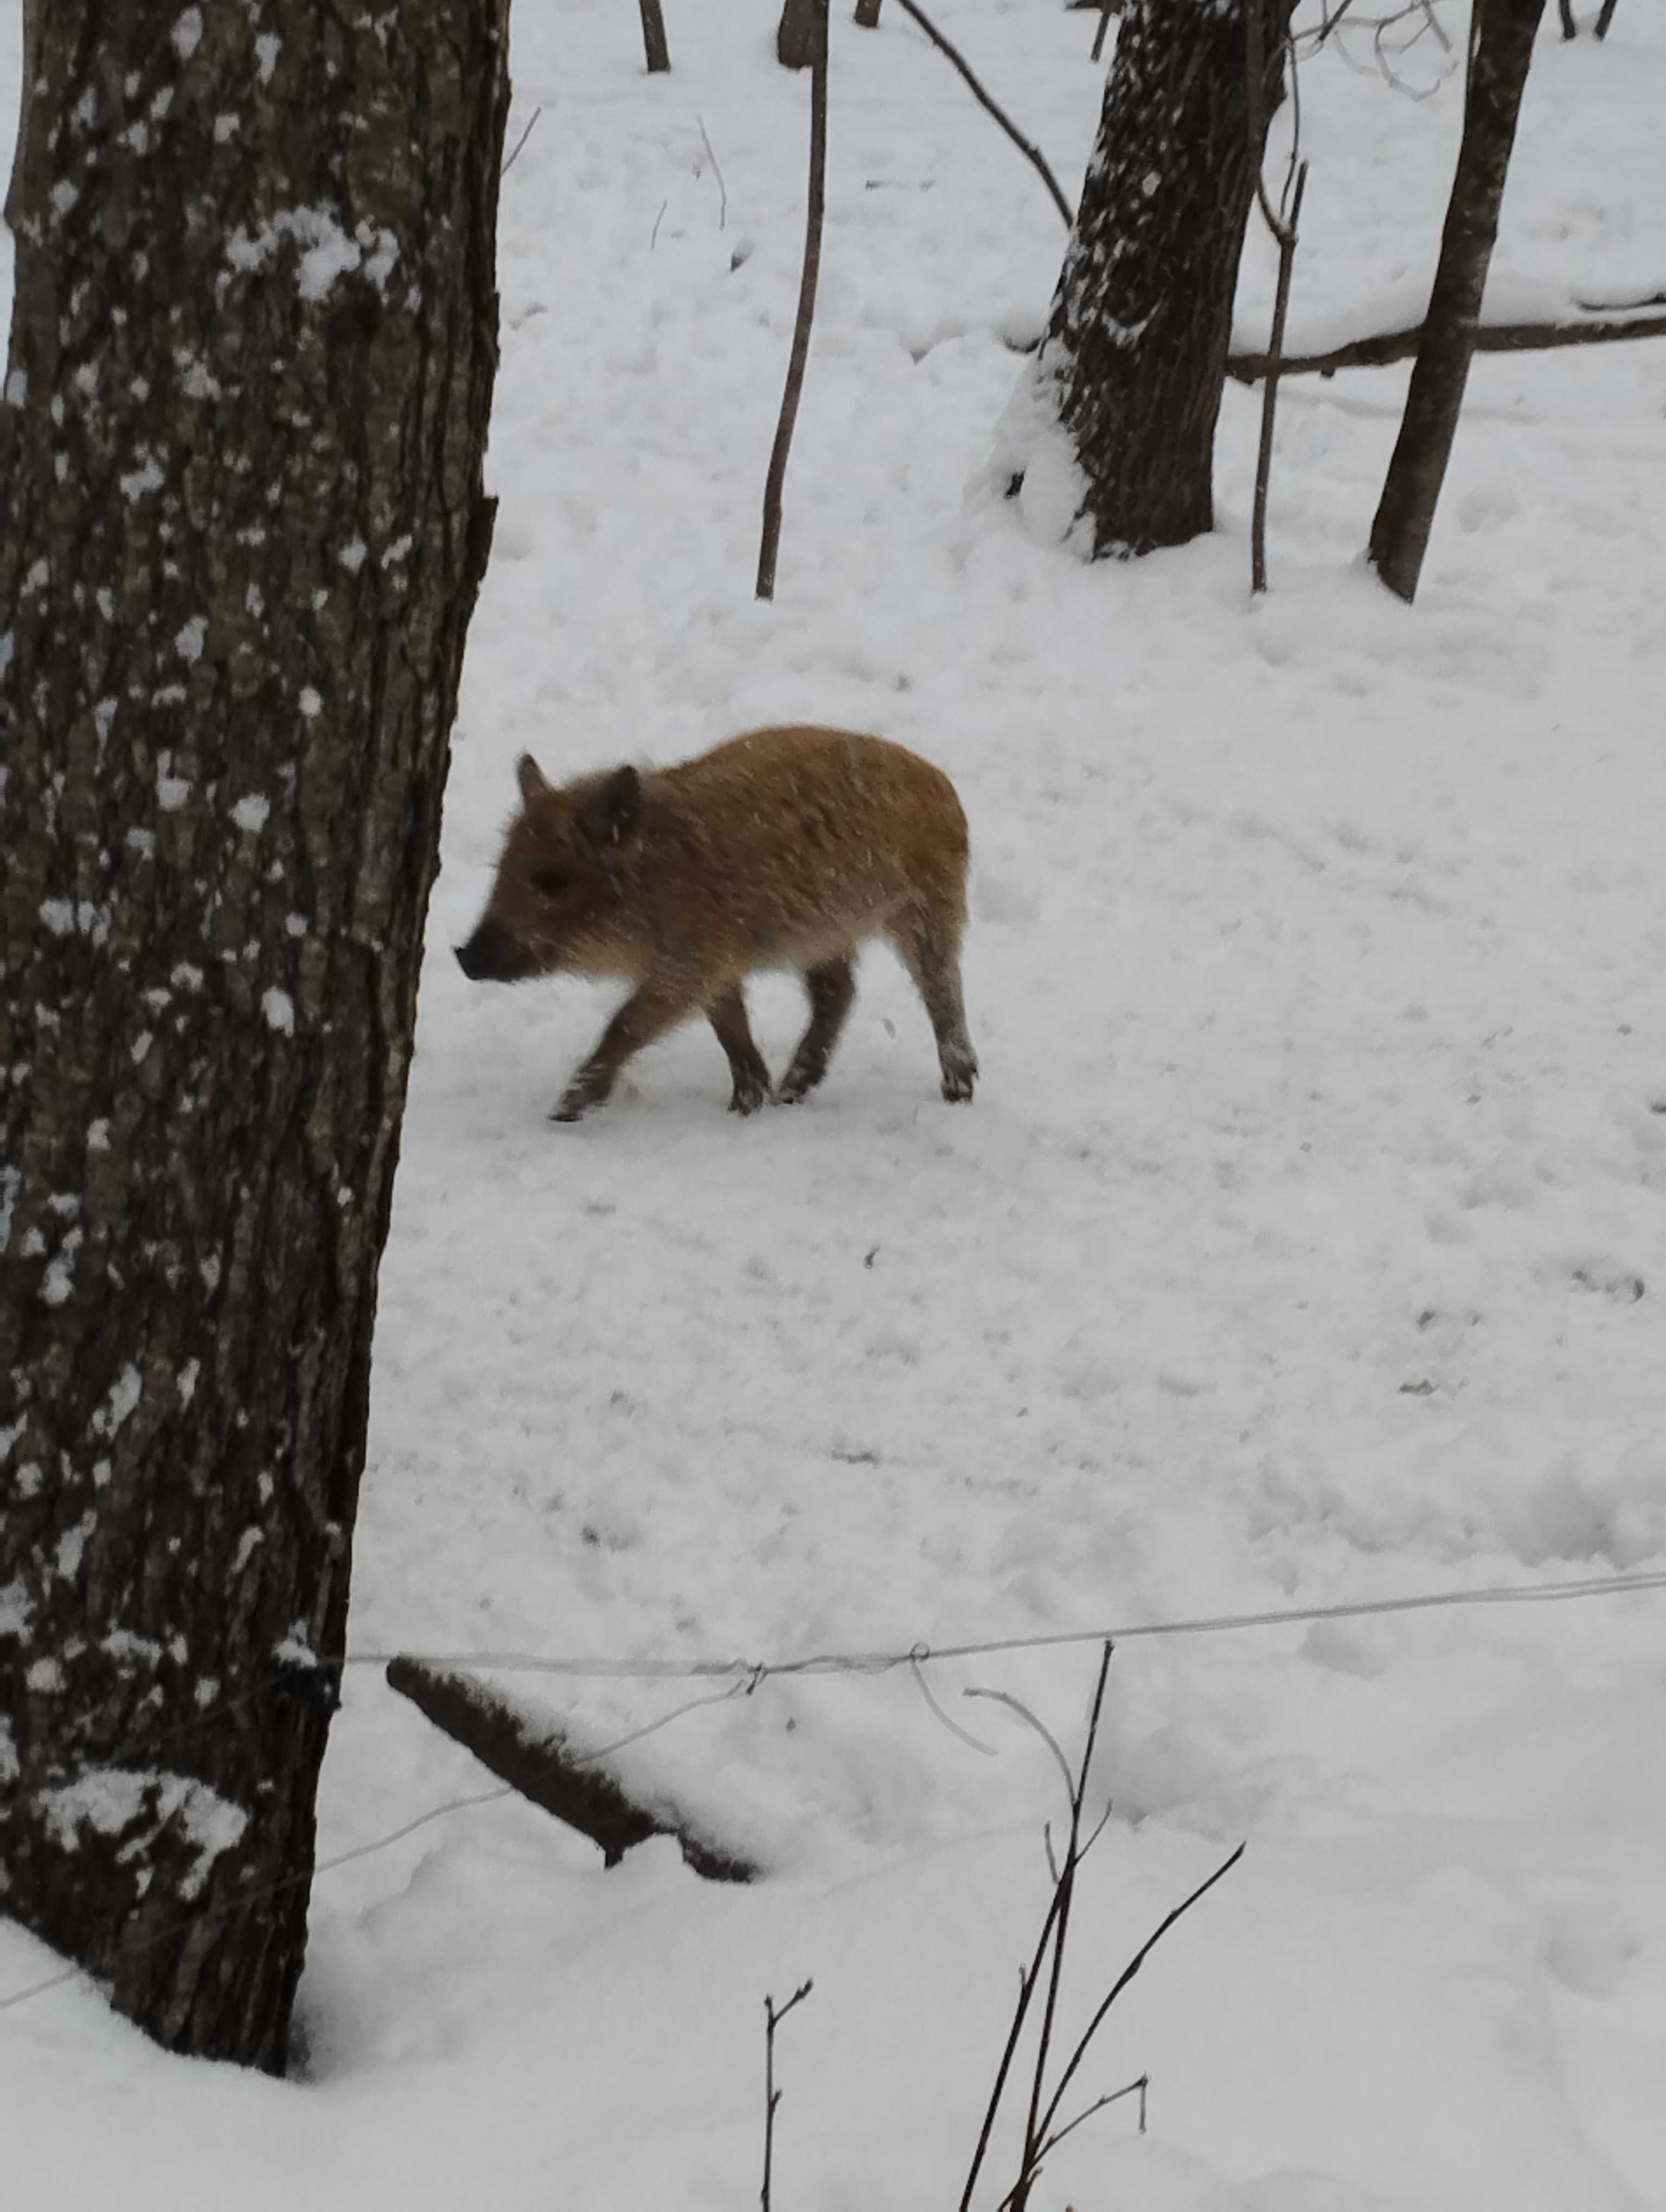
{"type": "Point", "coordinates": [1386, 346]}
{"type": "Point", "coordinates": [653, 36]}
{"type": "Point", "coordinates": [1134, 359]}
{"type": "Point", "coordinates": [795, 34]}
{"type": "Point", "coordinates": [548, 1765]}
{"type": "Point", "coordinates": [252, 359]}
{"type": "Point", "coordinates": [1501, 37]}
{"type": "Point", "coordinates": [774, 482]}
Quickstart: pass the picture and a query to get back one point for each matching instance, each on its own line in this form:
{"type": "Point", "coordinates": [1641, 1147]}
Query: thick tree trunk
{"type": "Point", "coordinates": [1134, 358]}
{"type": "Point", "coordinates": [1501, 35]}
{"type": "Point", "coordinates": [251, 372]}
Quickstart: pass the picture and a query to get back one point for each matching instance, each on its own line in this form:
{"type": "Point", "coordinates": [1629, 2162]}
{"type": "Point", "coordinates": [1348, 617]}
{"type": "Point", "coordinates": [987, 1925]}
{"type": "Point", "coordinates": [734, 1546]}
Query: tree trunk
{"type": "Point", "coordinates": [1134, 358]}
{"type": "Point", "coordinates": [815, 208]}
{"type": "Point", "coordinates": [252, 360]}
{"type": "Point", "coordinates": [653, 36]}
{"type": "Point", "coordinates": [795, 34]}
{"type": "Point", "coordinates": [1501, 35]}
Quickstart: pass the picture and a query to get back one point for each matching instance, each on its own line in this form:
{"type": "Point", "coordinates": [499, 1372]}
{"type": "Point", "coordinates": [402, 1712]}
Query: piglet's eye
{"type": "Point", "coordinates": [551, 881]}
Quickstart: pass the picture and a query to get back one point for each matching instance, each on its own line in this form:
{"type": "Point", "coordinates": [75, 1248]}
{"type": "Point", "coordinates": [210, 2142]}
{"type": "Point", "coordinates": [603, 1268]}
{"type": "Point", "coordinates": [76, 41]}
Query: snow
{"type": "Point", "coordinates": [111, 1799]}
{"type": "Point", "coordinates": [1289, 1256]}
{"type": "Point", "coordinates": [327, 253]}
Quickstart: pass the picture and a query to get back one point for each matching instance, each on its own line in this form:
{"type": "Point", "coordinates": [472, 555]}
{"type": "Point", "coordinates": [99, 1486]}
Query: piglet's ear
{"type": "Point", "coordinates": [530, 778]}
{"type": "Point", "coordinates": [611, 817]}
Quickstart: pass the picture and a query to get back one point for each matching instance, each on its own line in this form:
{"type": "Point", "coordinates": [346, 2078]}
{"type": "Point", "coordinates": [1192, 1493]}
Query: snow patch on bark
{"type": "Point", "coordinates": [111, 1799]}
{"type": "Point", "coordinates": [125, 1394]}
{"type": "Point", "coordinates": [327, 252]}
{"type": "Point", "coordinates": [16, 1610]}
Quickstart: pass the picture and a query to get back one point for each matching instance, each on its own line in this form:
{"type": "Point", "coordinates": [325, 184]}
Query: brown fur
{"type": "Point", "coordinates": [781, 848]}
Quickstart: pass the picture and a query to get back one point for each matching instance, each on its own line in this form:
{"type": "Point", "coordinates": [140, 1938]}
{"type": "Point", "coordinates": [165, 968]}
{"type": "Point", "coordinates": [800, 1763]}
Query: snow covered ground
{"type": "Point", "coordinates": [1307, 1242]}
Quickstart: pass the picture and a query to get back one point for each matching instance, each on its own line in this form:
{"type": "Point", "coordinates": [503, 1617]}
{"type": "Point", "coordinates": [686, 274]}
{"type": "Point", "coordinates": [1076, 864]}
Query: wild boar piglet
{"type": "Point", "coordinates": [782, 848]}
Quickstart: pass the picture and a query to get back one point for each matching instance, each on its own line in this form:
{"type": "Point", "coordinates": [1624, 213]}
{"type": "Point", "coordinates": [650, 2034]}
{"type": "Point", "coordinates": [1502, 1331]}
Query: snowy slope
{"type": "Point", "coordinates": [1291, 1254]}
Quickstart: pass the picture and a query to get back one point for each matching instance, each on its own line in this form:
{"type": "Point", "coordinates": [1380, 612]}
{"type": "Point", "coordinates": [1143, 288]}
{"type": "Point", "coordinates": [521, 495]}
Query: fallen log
{"type": "Point", "coordinates": [1491, 338]}
{"type": "Point", "coordinates": [541, 1761]}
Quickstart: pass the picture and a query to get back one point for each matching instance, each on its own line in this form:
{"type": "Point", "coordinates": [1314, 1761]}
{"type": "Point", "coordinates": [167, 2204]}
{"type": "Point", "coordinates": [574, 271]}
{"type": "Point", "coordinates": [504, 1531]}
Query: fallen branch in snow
{"type": "Point", "coordinates": [1388, 346]}
{"type": "Point", "coordinates": [1030, 152]}
{"type": "Point", "coordinates": [776, 479]}
{"type": "Point", "coordinates": [555, 1775]}
{"type": "Point", "coordinates": [772, 2021]}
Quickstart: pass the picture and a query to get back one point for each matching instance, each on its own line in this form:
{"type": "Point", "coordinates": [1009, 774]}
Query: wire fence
{"type": "Point", "coordinates": [741, 1677]}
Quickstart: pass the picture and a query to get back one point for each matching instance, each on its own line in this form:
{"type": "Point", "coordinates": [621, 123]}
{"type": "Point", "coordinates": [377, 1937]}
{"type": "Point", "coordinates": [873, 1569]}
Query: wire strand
{"type": "Point", "coordinates": [749, 1673]}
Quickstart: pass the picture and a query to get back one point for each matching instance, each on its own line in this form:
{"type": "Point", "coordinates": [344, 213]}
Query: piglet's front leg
{"type": "Point", "coordinates": [646, 1014]}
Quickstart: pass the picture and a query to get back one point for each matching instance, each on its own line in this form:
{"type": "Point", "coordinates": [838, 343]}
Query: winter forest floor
{"type": "Point", "coordinates": [1307, 1242]}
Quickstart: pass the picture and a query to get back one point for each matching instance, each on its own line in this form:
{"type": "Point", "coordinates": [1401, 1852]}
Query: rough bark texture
{"type": "Point", "coordinates": [1134, 358]}
{"type": "Point", "coordinates": [250, 371]}
{"type": "Point", "coordinates": [1501, 35]}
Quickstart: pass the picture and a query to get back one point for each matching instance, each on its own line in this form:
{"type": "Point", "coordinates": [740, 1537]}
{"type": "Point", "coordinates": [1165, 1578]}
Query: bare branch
{"type": "Point", "coordinates": [772, 2021]}
{"type": "Point", "coordinates": [1028, 1978]}
{"type": "Point", "coordinates": [1126, 1976]}
{"type": "Point", "coordinates": [1285, 234]}
{"type": "Point", "coordinates": [1031, 153]}
{"type": "Point", "coordinates": [1490, 337]}
{"type": "Point", "coordinates": [1129, 2089]}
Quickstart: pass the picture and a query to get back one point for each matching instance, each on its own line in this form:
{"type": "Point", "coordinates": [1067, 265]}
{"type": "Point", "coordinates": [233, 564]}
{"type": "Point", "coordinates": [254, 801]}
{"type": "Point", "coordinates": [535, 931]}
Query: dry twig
{"type": "Point", "coordinates": [772, 2021]}
{"type": "Point", "coordinates": [1043, 2131]}
{"type": "Point", "coordinates": [1032, 152]}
